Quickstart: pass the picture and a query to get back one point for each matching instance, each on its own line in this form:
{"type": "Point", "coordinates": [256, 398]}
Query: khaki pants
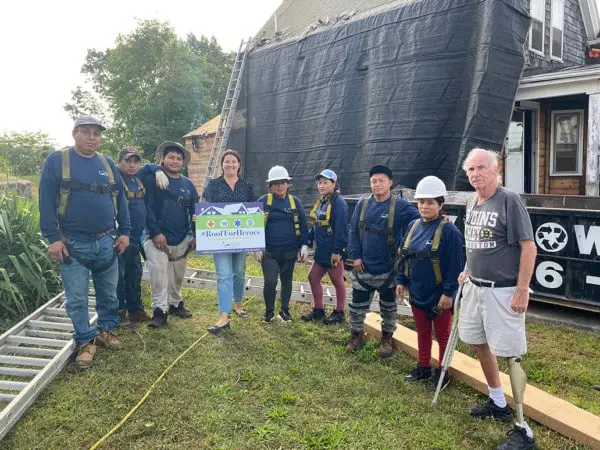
{"type": "Point", "coordinates": [166, 277]}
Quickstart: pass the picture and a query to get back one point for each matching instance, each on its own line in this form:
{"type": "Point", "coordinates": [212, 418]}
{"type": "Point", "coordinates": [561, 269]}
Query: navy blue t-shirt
{"type": "Point", "coordinates": [165, 214]}
{"type": "Point", "coordinates": [373, 250]}
{"type": "Point", "coordinates": [88, 213]}
{"type": "Point", "coordinates": [280, 234]}
{"type": "Point", "coordinates": [424, 293]}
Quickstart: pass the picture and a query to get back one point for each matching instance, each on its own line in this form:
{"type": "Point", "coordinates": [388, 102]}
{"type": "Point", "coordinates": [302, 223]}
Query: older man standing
{"type": "Point", "coordinates": [81, 196]}
{"type": "Point", "coordinates": [500, 259]}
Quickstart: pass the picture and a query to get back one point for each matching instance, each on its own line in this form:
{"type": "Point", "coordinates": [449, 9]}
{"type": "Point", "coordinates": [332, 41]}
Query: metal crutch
{"type": "Point", "coordinates": [452, 341]}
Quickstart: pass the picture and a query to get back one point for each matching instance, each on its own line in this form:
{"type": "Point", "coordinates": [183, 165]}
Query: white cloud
{"type": "Point", "coordinates": [43, 45]}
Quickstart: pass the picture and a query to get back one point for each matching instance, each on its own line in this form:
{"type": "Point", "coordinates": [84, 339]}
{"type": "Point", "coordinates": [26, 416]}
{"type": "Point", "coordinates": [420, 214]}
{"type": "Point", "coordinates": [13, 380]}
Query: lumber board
{"type": "Point", "coordinates": [553, 412]}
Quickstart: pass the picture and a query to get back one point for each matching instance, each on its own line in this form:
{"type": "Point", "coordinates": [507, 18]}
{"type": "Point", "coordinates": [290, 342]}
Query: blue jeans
{"type": "Point", "coordinates": [231, 276]}
{"type": "Point", "coordinates": [76, 281]}
{"type": "Point", "coordinates": [129, 289]}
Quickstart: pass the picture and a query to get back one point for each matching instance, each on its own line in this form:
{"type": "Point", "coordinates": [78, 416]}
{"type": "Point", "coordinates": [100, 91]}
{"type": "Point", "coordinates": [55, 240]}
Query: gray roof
{"type": "Point", "coordinates": [298, 17]}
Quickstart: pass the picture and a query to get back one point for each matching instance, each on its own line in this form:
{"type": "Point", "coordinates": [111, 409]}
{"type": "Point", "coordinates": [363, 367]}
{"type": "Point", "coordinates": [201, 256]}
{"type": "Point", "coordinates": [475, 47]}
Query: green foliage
{"type": "Point", "coordinates": [24, 152]}
{"type": "Point", "coordinates": [153, 86]}
{"type": "Point", "coordinates": [28, 277]}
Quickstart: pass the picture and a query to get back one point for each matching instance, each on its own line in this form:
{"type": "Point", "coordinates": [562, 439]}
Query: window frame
{"type": "Point", "coordinates": [531, 48]}
{"type": "Point", "coordinates": [579, 171]}
{"type": "Point", "coordinates": [562, 40]}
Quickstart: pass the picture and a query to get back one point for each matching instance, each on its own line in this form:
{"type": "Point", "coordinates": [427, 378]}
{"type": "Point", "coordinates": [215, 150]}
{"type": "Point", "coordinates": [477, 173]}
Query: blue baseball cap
{"type": "Point", "coordinates": [327, 173]}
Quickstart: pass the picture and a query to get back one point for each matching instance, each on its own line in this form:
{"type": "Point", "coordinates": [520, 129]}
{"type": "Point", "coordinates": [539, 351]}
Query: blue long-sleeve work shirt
{"type": "Point", "coordinates": [373, 249]}
{"type": "Point", "coordinates": [88, 213]}
{"type": "Point", "coordinates": [280, 234]}
{"type": "Point", "coordinates": [335, 241]}
{"type": "Point", "coordinates": [165, 214]}
{"type": "Point", "coordinates": [424, 293]}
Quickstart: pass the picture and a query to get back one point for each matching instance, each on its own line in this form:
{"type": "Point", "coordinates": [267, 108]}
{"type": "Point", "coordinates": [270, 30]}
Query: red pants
{"type": "Point", "coordinates": [442, 324]}
{"type": "Point", "coordinates": [336, 275]}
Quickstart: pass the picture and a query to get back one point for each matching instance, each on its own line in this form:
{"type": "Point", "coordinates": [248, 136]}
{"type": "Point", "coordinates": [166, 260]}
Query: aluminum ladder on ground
{"type": "Point", "coordinates": [227, 114]}
{"type": "Point", "coordinates": [32, 353]}
{"type": "Point", "coordinates": [301, 292]}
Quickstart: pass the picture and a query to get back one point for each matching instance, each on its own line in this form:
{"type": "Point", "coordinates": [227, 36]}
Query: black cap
{"type": "Point", "coordinates": [380, 169]}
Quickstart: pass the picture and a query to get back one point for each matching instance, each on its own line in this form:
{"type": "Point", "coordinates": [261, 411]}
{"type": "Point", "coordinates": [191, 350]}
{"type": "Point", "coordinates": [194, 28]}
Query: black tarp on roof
{"type": "Point", "coordinates": [415, 87]}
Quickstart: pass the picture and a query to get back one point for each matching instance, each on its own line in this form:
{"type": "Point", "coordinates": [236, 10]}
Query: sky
{"type": "Point", "coordinates": [43, 45]}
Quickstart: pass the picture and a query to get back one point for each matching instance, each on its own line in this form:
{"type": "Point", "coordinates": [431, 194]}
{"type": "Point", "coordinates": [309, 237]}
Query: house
{"type": "Point", "coordinates": [545, 124]}
{"type": "Point", "coordinates": [553, 141]}
{"type": "Point", "coordinates": [199, 143]}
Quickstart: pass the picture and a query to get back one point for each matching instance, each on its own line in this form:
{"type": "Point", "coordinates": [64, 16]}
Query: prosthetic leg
{"type": "Point", "coordinates": [518, 383]}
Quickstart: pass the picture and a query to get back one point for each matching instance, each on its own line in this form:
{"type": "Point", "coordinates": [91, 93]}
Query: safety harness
{"type": "Point", "coordinates": [66, 186]}
{"type": "Point", "coordinates": [431, 254]}
{"type": "Point", "coordinates": [388, 231]}
{"type": "Point", "coordinates": [139, 194]}
{"type": "Point", "coordinates": [322, 222]}
{"type": "Point", "coordinates": [293, 209]}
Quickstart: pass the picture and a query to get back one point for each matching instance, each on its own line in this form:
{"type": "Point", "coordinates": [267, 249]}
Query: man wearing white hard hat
{"type": "Point", "coordinates": [432, 259]}
{"type": "Point", "coordinates": [286, 238]}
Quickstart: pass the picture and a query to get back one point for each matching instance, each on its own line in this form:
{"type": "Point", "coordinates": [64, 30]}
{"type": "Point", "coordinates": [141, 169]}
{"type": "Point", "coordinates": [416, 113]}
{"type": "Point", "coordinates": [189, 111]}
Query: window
{"type": "Point", "coordinates": [556, 32]}
{"type": "Point", "coordinates": [567, 142]}
{"type": "Point", "coordinates": [536, 34]}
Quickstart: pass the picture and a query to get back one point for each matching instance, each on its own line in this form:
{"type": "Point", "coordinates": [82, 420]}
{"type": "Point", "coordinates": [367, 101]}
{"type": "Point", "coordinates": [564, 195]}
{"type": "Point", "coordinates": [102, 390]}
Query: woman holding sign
{"type": "Point", "coordinates": [230, 267]}
{"type": "Point", "coordinates": [286, 238]}
{"type": "Point", "coordinates": [330, 233]}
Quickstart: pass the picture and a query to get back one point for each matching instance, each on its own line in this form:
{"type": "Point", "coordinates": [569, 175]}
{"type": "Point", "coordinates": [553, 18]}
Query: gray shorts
{"type": "Point", "coordinates": [485, 317]}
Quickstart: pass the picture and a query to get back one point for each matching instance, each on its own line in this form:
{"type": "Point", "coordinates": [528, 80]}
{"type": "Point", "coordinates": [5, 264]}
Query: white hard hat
{"type": "Point", "coordinates": [430, 187]}
{"type": "Point", "coordinates": [278, 173]}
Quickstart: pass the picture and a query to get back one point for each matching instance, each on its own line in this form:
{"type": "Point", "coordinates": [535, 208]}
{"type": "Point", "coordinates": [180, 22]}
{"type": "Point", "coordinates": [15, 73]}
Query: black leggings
{"type": "Point", "coordinates": [280, 264]}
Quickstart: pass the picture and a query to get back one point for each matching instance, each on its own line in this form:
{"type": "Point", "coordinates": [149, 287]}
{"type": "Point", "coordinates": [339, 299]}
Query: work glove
{"type": "Point", "coordinates": [258, 256]}
{"type": "Point", "coordinates": [162, 181]}
{"type": "Point", "coordinates": [303, 254]}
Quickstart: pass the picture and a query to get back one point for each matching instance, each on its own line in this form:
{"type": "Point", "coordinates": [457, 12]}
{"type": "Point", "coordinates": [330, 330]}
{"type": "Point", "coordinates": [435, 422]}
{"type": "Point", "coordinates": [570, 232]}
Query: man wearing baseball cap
{"type": "Point", "coordinates": [129, 290]}
{"type": "Point", "coordinates": [81, 201]}
{"type": "Point", "coordinates": [378, 223]}
{"type": "Point", "coordinates": [171, 231]}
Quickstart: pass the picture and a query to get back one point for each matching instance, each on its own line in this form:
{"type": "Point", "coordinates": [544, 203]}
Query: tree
{"type": "Point", "coordinates": [153, 86]}
{"type": "Point", "coordinates": [25, 152]}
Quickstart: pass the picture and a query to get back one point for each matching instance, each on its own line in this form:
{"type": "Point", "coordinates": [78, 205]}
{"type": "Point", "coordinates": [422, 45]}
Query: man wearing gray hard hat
{"type": "Point", "coordinates": [81, 201]}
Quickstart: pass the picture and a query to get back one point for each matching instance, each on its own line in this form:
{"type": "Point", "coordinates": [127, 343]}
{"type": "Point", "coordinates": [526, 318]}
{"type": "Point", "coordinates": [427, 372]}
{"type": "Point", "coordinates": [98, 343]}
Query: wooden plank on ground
{"type": "Point", "coordinates": [557, 414]}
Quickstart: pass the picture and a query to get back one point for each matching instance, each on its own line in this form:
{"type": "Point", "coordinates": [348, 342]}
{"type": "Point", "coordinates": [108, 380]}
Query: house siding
{"type": "Point", "coordinates": [574, 38]}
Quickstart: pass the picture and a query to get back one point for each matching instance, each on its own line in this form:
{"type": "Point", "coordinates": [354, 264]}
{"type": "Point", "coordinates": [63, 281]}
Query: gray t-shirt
{"type": "Point", "coordinates": [492, 240]}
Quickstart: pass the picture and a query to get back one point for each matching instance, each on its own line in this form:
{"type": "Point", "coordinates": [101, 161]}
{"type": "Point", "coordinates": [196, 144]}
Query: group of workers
{"type": "Point", "coordinates": [93, 214]}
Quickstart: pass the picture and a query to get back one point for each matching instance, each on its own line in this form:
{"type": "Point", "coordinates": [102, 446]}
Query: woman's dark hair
{"type": "Point", "coordinates": [439, 200]}
{"type": "Point", "coordinates": [235, 154]}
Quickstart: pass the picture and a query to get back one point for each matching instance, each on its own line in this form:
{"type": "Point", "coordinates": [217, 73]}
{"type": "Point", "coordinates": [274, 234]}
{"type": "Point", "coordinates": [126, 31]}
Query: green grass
{"type": "Point", "coordinates": [271, 386]}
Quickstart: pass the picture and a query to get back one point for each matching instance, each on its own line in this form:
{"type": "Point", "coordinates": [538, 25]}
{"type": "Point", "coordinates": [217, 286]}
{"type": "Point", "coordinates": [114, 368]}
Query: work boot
{"type": "Point", "coordinates": [357, 339]}
{"type": "Point", "coordinates": [517, 439]}
{"type": "Point", "coordinates": [122, 316]}
{"type": "Point", "coordinates": [138, 316]}
{"type": "Point", "coordinates": [159, 319]}
{"type": "Point", "coordinates": [268, 317]}
{"type": "Point", "coordinates": [180, 311]}
{"type": "Point", "coordinates": [419, 373]}
{"type": "Point", "coordinates": [108, 339]}
{"type": "Point", "coordinates": [86, 354]}
{"type": "Point", "coordinates": [386, 348]}
{"type": "Point", "coordinates": [315, 314]}
{"type": "Point", "coordinates": [597, 387]}
{"type": "Point", "coordinates": [335, 318]}
{"type": "Point", "coordinates": [490, 410]}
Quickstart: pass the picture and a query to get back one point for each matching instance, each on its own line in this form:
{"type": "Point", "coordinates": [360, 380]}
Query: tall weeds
{"type": "Point", "coordinates": [28, 277]}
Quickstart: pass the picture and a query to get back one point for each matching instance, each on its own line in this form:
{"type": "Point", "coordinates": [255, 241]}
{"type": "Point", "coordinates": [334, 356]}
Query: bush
{"type": "Point", "coordinates": [28, 277]}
